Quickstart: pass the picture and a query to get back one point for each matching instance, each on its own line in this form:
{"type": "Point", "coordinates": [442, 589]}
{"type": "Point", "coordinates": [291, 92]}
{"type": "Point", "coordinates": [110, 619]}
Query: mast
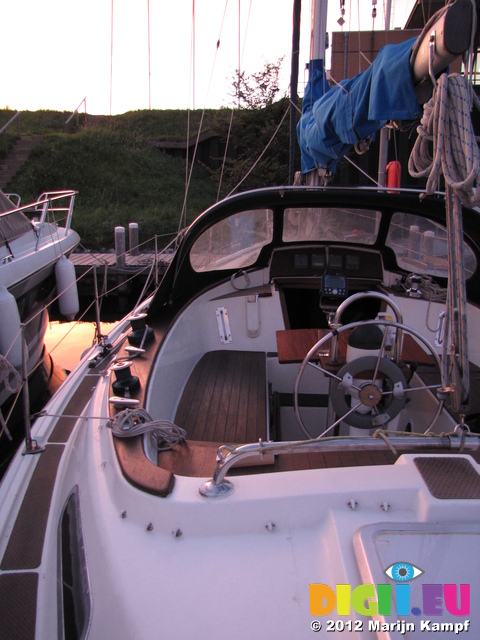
{"type": "Point", "coordinates": [319, 30]}
{"type": "Point", "coordinates": [383, 146]}
{"type": "Point", "coordinates": [318, 46]}
{"type": "Point", "coordinates": [297, 9]}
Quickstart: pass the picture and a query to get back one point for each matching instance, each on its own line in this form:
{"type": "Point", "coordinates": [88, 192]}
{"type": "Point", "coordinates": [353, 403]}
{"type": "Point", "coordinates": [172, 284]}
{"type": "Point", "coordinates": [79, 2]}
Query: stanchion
{"type": "Point", "coordinates": [31, 446]}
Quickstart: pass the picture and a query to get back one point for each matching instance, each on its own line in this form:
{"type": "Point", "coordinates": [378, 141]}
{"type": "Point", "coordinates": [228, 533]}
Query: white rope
{"type": "Point", "coordinates": [134, 422]}
{"type": "Point", "coordinates": [6, 371]}
{"type": "Point", "coordinates": [446, 127]}
{"type": "Point", "coordinates": [4, 429]}
{"type": "Point", "coordinates": [447, 123]}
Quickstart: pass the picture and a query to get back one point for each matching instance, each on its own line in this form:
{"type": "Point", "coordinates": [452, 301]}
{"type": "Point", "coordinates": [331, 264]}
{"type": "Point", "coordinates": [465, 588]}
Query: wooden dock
{"type": "Point", "coordinates": [116, 277]}
{"type": "Point", "coordinates": [86, 260]}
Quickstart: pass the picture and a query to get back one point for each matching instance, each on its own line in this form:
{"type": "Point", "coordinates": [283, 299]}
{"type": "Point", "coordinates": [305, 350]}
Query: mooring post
{"type": "Point", "coordinates": [133, 238]}
{"type": "Point", "coordinates": [120, 246]}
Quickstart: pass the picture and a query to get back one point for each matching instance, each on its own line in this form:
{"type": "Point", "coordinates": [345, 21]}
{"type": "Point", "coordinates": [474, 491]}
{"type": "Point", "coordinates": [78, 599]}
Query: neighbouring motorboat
{"type": "Point", "coordinates": [283, 439]}
{"type": "Point", "coordinates": [35, 242]}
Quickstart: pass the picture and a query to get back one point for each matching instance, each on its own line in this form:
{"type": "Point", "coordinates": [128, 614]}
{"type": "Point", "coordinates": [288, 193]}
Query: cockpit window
{"type": "Point", "coordinates": [337, 224]}
{"type": "Point", "coordinates": [420, 245]}
{"type": "Point", "coordinates": [233, 243]}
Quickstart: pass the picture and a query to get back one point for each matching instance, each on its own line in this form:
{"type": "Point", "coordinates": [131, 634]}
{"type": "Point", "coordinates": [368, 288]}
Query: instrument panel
{"type": "Point", "coordinates": [316, 262]}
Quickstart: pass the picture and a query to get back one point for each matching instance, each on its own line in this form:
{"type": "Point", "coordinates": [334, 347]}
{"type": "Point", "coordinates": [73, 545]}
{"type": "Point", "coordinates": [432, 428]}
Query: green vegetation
{"type": "Point", "coordinates": [119, 179]}
{"type": "Point", "coordinates": [40, 122]}
{"type": "Point", "coordinates": [122, 177]}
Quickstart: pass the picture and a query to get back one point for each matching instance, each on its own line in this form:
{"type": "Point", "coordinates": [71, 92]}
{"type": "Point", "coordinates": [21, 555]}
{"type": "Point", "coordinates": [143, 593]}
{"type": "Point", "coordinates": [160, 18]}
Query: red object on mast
{"type": "Point", "coordinates": [394, 174]}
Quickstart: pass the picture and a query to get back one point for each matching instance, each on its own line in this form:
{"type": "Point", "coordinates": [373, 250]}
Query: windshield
{"type": "Point", "coordinates": [420, 245]}
{"type": "Point", "coordinates": [337, 224]}
{"type": "Point", "coordinates": [233, 243]}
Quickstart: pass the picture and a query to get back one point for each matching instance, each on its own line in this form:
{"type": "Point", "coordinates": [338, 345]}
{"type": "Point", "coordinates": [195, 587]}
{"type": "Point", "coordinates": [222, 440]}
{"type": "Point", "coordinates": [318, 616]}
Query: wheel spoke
{"type": "Point", "coordinates": [339, 420]}
{"type": "Point", "coordinates": [380, 356]}
{"type": "Point", "coordinates": [330, 374]}
{"type": "Point", "coordinates": [326, 372]}
{"type": "Point", "coordinates": [410, 389]}
{"type": "Point", "coordinates": [367, 371]}
{"type": "Point", "coordinates": [430, 386]}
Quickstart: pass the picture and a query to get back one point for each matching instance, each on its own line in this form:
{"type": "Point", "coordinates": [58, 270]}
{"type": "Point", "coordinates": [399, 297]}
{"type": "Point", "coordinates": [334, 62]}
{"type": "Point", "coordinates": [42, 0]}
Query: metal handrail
{"type": "Point", "coordinates": [229, 456]}
{"type": "Point", "coordinates": [45, 199]}
{"type": "Point", "coordinates": [5, 127]}
{"type": "Point", "coordinates": [43, 204]}
{"type": "Point", "coordinates": [12, 119]}
{"type": "Point", "coordinates": [75, 111]}
{"type": "Point", "coordinates": [11, 197]}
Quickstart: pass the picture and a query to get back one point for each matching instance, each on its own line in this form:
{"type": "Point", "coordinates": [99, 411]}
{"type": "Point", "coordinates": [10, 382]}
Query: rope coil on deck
{"type": "Point", "coordinates": [134, 422]}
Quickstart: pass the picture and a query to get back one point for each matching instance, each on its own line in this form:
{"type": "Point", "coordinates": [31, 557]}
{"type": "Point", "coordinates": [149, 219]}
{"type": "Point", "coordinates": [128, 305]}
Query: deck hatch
{"type": "Point", "coordinates": [449, 478]}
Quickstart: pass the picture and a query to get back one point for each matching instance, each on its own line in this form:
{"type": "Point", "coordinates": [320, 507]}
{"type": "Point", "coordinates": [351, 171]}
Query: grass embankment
{"type": "Point", "coordinates": [119, 175]}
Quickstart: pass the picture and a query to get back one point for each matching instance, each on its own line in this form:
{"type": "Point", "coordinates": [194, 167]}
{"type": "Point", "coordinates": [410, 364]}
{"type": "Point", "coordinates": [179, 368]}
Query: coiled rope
{"type": "Point", "coordinates": [134, 422]}
{"type": "Point", "coordinates": [447, 123]}
{"type": "Point", "coordinates": [446, 127]}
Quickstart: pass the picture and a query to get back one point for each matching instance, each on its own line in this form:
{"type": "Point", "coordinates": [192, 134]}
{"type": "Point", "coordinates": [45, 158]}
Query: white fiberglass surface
{"type": "Point", "coordinates": [196, 332]}
{"type": "Point", "coordinates": [424, 564]}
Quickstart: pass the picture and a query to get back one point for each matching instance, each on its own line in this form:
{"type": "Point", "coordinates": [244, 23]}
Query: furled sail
{"type": "Point", "coordinates": [336, 118]}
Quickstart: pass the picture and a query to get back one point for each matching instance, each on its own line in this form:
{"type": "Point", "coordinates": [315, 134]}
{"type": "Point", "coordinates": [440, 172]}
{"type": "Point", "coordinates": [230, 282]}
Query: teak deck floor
{"type": "Point", "coordinates": [211, 409]}
{"type": "Point", "coordinates": [225, 398]}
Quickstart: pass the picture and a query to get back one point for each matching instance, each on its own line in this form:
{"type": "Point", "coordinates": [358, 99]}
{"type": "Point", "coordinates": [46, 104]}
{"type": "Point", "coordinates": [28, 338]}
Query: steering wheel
{"type": "Point", "coordinates": [370, 391]}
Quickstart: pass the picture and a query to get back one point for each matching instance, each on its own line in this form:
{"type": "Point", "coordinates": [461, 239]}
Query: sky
{"type": "Point", "coordinates": [56, 53]}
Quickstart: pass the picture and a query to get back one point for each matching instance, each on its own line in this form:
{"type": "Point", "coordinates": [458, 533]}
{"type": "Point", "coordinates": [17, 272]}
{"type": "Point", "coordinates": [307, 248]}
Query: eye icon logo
{"type": "Point", "coordinates": [377, 600]}
{"type": "Point", "coordinates": [403, 572]}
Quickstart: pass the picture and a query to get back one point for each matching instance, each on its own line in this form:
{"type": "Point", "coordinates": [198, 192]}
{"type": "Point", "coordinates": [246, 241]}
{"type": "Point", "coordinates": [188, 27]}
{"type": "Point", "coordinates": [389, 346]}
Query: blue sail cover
{"type": "Point", "coordinates": [334, 119]}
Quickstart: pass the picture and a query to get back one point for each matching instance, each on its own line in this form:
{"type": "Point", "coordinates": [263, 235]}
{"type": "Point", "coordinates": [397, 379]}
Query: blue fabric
{"type": "Point", "coordinates": [334, 119]}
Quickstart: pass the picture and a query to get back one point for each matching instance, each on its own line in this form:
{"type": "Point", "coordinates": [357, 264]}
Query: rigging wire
{"type": "Point", "coordinates": [149, 72]}
{"type": "Point", "coordinates": [111, 59]}
{"type": "Point", "coordinates": [262, 153]}
{"type": "Point", "coordinates": [189, 169]}
{"type": "Point", "coordinates": [230, 125]}
{"type": "Point", "coordinates": [105, 292]}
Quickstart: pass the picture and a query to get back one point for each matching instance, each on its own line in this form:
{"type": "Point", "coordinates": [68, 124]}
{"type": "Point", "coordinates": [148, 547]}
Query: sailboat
{"type": "Point", "coordinates": [282, 440]}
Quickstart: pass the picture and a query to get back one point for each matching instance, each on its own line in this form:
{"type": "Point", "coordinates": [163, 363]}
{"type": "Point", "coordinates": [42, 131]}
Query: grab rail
{"type": "Point", "coordinates": [45, 199]}
{"type": "Point", "coordinates": [5, 127]}
{"type": "Point", "coordinates": [44, 205]}
{"type": "Point", "coordinates": [227, 456]}
{"type": "Point", "coordinates": [75, 111]}
{"type": "Point", "coordinates": [12, 119]}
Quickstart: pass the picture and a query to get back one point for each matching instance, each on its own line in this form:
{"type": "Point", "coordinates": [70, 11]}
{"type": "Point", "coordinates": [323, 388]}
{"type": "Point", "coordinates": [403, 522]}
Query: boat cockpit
{"type": "Point", "coordinates": [295, 318]}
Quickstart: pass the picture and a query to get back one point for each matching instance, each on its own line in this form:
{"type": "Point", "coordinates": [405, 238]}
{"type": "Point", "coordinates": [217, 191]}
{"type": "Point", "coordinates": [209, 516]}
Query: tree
{"type": "Point", "coordinates": [258, 90]}
{"type": "Point", "coordinates": [252, 131]}
{"type": "Point", "coordinates": [258, 132]}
